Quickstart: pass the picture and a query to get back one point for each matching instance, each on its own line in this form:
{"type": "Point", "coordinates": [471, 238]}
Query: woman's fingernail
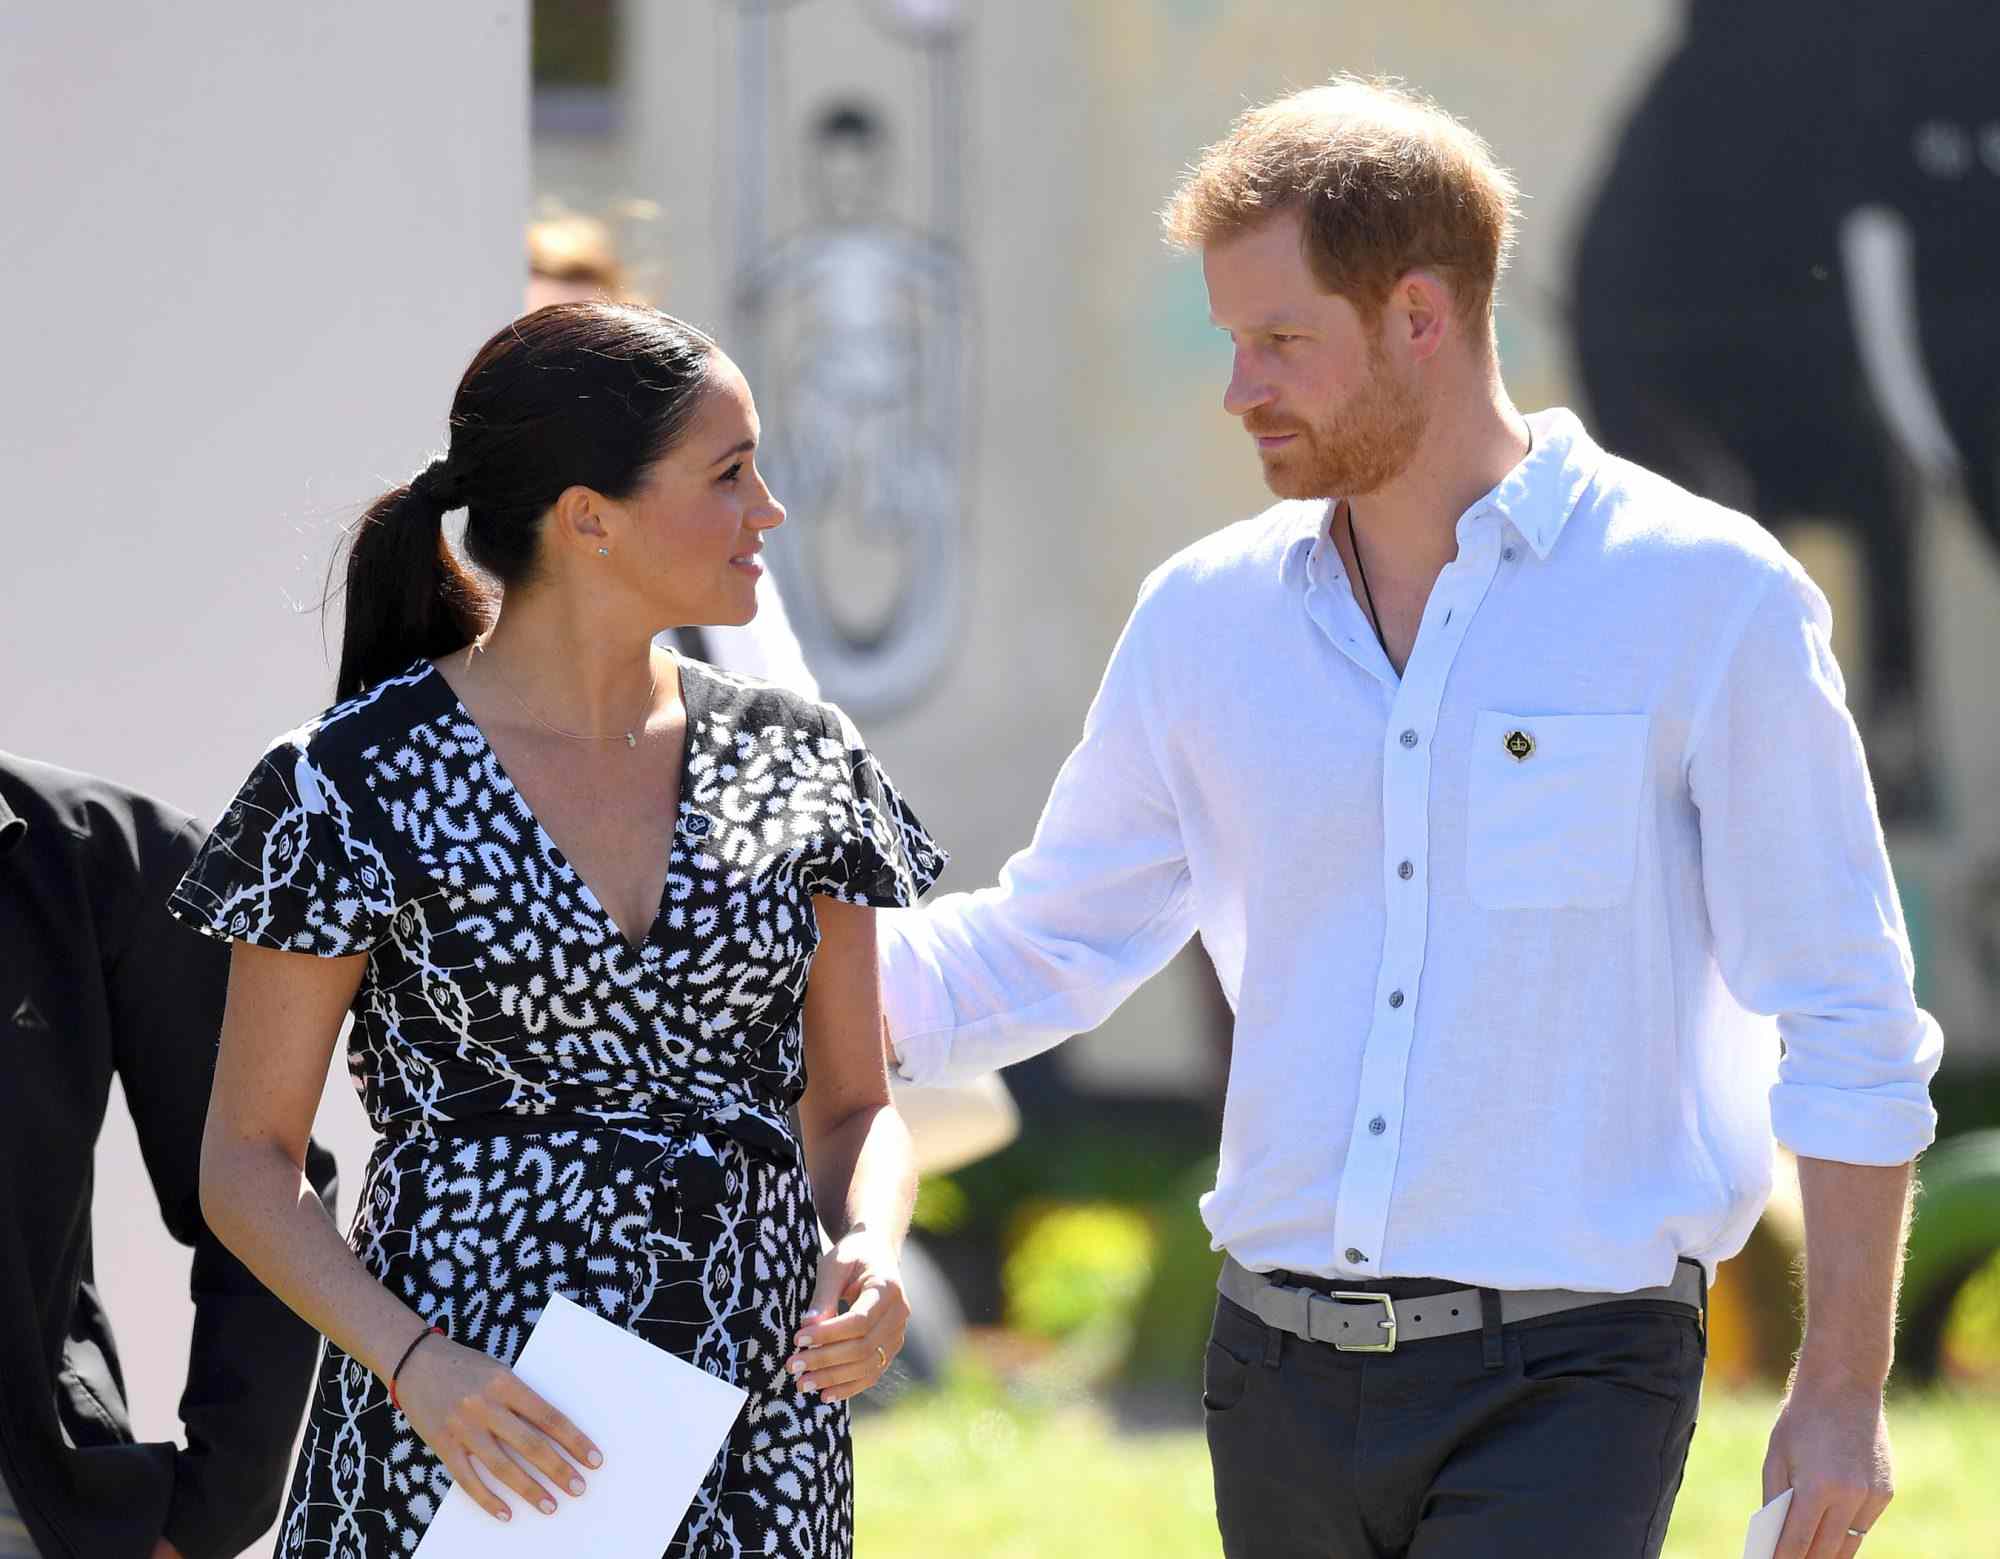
{"type": "Point", "coordinates": [548, 1506]}
{"type": "Point", "coordinates": [594, 1458]}
{"type": "Point", "coordinates": [576, 1485]}
{"type": "Point", "coordinates": [805, 1383]}
{"type": "Point", "coordinates": [504, 1513]}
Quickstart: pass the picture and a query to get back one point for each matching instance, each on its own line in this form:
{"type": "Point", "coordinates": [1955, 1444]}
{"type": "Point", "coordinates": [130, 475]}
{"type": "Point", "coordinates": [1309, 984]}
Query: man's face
{"type": "Point", "coordinates": [1333, 416]}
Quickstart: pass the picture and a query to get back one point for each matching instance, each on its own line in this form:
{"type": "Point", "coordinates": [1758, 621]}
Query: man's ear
{"type": "Point", "coordinates": [1420, 308]}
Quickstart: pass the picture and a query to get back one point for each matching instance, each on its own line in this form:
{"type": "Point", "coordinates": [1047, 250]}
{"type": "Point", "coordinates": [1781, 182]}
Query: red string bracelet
{"type": "Point", "coordinates": [428, 1331]}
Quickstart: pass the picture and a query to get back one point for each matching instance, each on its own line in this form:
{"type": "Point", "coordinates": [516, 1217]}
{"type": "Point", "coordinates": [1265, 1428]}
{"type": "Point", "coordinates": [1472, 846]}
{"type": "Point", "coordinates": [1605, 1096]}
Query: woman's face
{"type": "Point", "coordinates": [698, 521]}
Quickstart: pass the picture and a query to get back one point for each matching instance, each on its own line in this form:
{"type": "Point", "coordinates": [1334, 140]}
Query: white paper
{"type": "Point", "coordinates": [1761, 1542]}
{"type": "Point", "coordinates": [658, 1420]}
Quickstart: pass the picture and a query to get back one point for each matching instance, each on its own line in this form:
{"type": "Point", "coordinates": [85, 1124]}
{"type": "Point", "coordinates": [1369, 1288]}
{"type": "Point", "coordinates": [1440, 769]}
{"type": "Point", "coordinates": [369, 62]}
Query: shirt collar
{"type": "Point", "coordinates": [1537, 497]}
{"type": "Point", "coordinates": [12, 826]}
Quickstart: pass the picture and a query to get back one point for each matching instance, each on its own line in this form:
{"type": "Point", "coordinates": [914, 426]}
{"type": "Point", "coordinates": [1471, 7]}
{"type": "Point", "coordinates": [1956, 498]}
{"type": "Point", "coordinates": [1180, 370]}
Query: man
{"type": "Point", "coordinates": [97, 981]}
{"type": "Point", "coordinates": [1505, 783]}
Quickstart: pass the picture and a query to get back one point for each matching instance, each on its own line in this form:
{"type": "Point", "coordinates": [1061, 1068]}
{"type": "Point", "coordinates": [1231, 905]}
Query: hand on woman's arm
{"type": "Point", "coordinates": [858, 1153]}
{"type": "Point", "coordinates": [283, 1017]}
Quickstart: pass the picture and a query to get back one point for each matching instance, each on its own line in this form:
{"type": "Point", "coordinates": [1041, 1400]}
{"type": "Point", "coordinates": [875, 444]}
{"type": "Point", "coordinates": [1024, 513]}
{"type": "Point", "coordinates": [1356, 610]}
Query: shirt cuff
{"type": "Point", "coordinates": [914, 1000]}
{"type": "Point", "coordinates": [1882, 1126]}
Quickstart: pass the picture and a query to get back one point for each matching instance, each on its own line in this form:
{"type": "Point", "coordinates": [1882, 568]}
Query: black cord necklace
{"type": "Point", "coordinates": [1354, 546]}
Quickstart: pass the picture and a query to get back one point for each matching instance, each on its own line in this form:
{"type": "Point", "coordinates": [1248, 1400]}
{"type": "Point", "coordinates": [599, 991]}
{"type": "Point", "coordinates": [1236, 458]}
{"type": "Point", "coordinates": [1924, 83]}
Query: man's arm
{"type": "Point", "coordinates": [1096, 905]}
{"type": "Point", "coordinates": [1831, 1443]}
{"type": "Point", "coordinates": [250, 1357]}
{"type": "Point", "coordinates": [1808, 926]}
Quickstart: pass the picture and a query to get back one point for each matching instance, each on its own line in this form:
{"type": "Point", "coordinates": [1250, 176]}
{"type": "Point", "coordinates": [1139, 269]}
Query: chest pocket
{"type": "Point", "coordinates": [1553, 809]}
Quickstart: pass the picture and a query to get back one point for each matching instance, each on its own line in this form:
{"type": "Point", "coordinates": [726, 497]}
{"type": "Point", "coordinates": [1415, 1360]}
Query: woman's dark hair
{"type": "Point", "coordinates": [576, 394]}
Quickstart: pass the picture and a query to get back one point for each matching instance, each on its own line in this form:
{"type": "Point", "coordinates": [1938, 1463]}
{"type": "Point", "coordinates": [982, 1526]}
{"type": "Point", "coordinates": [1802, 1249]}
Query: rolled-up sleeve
{"type": "Point", "coordinates": [1806, 921]}
{"type": "Point", "coordinates": [1097, 903]}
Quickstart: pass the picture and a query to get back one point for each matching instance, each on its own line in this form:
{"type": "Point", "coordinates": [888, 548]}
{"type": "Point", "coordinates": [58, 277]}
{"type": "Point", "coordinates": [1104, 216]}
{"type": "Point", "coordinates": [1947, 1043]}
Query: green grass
{"type": "Point", "coordinates": [971, 1472]}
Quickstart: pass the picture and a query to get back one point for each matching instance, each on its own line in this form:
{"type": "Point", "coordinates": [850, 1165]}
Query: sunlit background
{"type": "Point", "coordinates": [249, 248]}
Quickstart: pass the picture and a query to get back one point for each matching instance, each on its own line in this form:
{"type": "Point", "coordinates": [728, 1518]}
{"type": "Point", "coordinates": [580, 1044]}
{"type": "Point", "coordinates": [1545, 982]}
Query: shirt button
{"type": "Point", "coordinates": [1354, 1257]}
{"type": "Point", "coordinates": [1408, 738]}
{"type": "Point", "coordinates": [1406, 871]}
{"type": "Point", "coordinates": [1507, 554]}
{"type": "Point", "coordinates": [1395, 998]}
{"type": "Point", "coordinates": [1377, 1126]}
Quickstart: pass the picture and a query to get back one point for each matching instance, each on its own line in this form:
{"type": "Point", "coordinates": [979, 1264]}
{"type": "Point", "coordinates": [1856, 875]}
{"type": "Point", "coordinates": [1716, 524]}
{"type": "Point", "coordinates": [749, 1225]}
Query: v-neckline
{"type": "Point", "coordinates": [555, 851]}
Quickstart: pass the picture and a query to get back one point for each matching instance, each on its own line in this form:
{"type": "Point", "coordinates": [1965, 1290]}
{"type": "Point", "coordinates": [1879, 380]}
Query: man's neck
{"type": "Point", "coordinates": [1411, 523]}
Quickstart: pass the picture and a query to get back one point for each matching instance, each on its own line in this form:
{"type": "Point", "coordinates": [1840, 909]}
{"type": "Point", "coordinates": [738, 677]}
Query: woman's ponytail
{"type": "Point", "coordinates": [408, 596]}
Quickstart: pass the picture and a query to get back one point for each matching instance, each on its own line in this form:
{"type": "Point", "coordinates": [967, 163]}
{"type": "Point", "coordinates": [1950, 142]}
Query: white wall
{"type": "Point", "coordinates": [245, 252]}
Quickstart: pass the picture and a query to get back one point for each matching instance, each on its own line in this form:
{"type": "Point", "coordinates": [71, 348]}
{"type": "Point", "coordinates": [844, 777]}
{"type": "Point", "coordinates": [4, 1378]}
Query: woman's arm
{"type": "Point", "coordinates": [279, 1026]}
{"type": "Point", "coordinates": [858, 1154]}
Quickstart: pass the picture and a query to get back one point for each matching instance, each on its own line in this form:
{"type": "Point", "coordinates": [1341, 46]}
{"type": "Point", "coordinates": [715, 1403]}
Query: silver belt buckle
{"type": "Point", "coordinates": [1388, 1324]}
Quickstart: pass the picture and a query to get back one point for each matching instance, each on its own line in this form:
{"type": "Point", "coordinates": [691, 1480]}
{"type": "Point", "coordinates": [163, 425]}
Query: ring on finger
{"type": "Point", "coordinates": [881, 1357]}
{"type": "Point", "coordinates": [1857, 1531]}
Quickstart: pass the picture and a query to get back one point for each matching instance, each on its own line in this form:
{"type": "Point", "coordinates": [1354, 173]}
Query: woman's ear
{"type": "Point", "coordinates": [582, 519]}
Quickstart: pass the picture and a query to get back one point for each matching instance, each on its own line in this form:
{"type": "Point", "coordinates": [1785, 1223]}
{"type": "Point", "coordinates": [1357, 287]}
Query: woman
{"type": "Point", "coordinates": [603, 915]}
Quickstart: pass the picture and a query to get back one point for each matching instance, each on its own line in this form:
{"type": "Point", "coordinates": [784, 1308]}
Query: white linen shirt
{"type": "Point", "coordinates": [1497, 933]}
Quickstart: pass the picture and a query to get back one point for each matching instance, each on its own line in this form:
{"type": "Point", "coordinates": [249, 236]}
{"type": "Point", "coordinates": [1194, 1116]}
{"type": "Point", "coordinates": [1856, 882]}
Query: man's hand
{"type": "Point", "coordinates": [1830, 1446]}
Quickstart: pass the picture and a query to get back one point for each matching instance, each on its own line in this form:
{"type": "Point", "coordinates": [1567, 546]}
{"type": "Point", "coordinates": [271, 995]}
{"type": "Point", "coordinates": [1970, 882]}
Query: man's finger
{"type": "Point", "coordinates": [1777, 1475]}
{"type": "Point", "coordinates": [1802, 1523]}
{"type": "Point", "coordinates": [1842, 1516]}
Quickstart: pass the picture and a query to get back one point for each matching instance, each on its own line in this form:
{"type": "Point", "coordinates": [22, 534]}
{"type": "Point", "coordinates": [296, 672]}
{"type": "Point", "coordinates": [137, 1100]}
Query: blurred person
{"type": "Point", "coordinates": [98, 983]}
{"type": "Point", "coordinates": [572, 258]}
{"type": "Point", "coordinates": [603, 916]}
{"type": "Point", "coordinates": [1518, 794]}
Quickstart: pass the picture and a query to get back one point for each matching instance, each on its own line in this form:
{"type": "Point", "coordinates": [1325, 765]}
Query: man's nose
{"type": "Point", "coordinates": [1247, 390]}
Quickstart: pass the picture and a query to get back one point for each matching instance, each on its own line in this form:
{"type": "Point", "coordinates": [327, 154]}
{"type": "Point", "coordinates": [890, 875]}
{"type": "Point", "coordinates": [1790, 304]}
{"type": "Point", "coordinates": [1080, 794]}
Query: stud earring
{"type": "Point", "coordinates": [604, 552]}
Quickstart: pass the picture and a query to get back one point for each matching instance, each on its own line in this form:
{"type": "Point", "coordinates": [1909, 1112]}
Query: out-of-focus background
{"type": "Point", "coordinates": [248, 249]}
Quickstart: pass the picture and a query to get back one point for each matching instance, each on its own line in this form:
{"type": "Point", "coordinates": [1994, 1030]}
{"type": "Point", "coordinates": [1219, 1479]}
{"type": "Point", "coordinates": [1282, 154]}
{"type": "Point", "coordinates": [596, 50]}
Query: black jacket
{"type": "Point", "coordinates": [97, 980]}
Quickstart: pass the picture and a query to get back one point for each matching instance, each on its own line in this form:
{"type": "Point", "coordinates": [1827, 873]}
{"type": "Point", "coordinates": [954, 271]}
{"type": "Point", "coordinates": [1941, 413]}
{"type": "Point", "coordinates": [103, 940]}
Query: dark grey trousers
{"type": "Point", "coordinates": [1562, 1438]}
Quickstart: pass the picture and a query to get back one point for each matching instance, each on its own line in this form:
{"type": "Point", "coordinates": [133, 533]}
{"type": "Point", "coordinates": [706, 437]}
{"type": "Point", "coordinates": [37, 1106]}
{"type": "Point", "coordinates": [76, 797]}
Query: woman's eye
{"type": "Point", "coordinates": [733, 472]}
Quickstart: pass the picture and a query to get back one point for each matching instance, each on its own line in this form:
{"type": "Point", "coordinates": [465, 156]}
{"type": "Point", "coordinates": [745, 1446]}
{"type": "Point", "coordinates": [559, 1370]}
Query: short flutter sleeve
{"type": "Point", "coordinates": [880, 856]}
{"type": "Point", "coordinates": [290, 866]}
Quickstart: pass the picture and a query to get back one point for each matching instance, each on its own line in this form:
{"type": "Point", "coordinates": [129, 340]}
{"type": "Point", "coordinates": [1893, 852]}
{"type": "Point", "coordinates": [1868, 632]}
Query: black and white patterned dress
{"type": "Point", "coordinates": [561, 1111]}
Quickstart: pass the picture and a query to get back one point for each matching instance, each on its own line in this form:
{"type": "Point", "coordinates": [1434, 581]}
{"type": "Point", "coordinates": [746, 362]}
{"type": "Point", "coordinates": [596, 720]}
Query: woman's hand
{"type": "Point", "coordinates": [844, 1351]}
{"type": "Point", "coordinates": [467, 1405]}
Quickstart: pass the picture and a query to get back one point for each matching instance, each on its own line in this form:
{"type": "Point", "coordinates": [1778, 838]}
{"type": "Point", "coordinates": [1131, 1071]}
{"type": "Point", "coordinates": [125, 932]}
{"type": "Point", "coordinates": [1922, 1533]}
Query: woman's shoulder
{"type": "Point", "coordinates": [750, 703]}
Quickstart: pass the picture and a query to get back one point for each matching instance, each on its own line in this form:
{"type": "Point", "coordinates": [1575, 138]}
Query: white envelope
{"type": "Point", "coordinates": [1761, 1542]}
{"type": "Point", "coordinates": [658, 1420]}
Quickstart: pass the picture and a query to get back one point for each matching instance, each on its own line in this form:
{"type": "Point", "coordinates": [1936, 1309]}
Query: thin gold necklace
{"type": "Point", "coordinates": [631, 738]}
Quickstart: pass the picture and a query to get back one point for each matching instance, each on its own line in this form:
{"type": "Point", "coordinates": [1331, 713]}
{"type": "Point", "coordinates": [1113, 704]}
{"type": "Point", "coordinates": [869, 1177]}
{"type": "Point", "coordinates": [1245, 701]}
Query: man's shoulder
{"type": "Point", "coordinates": [1250, 552]}
{"type": "Point", "coordinates": [1642, 514]}
{"type": "Point", "coordinates": [68, 808]}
